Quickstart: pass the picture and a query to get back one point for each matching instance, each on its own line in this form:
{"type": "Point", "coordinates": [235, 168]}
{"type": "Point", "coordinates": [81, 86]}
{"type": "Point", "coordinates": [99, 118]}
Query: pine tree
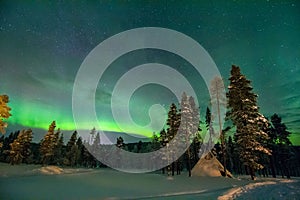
{"type": "Point", "coordinates": [218, 100]}
{"type": "Point", "coordinates": [230, 153]}
{"type": "Point", "coordinates": [279, 130]}
{"type": "Point", "coordinates": [244, 113]}
{"type": "Point", "coordinates": [173, 123]}
{"type": "Point", "coordinates": [92, 136]}
{"type": "Point", "coordinates": [189, 125]}
{"type": "Point", "coordinates": [195, 117]}
{"type": "Point", "coordinates": [209, 127]}
{"type": "Point", "coordinates": [195, 128]}
{"type": "Point", "coordinates": [280, 138]}
{"type": "Point", "coordinates": [155, 144]}
{"type": "Point", "coordinates": [88, 159]}
{"type": "Point", "coordinates": [71, 150]}
{"type": "Point", "coordinates": [209, 149]}
{"type": "Point", "coordinates": [120, 144]}
{"type": "Point", "coordinates": [96, 147]}
{"type": "Point", "coordinates": [58, 152]}
{"type": "Point", "coordinates": [164, 141]}
{"type": "Point", "coordinates": [80, 152]}
{"type": "Point", "coordinates": [20, 147]}
{"type": "Point", "coordinates": [4, 150]}
{"type": "Point", "coordinates": [48, 145]}
{"type": "Point", "coordinates": [4, 112]}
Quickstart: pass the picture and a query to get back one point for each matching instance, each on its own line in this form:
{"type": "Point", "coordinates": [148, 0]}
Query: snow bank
{"type": "Point", "coordinates": [7, 170]}
{"type": "Point", "coordinates": [51, 170]}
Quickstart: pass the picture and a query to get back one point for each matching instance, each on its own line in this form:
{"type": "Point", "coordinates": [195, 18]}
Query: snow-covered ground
{"type": "Point", "coordinates": [268, 189]}
{"type": "Point", "coordinates": [32, 182]}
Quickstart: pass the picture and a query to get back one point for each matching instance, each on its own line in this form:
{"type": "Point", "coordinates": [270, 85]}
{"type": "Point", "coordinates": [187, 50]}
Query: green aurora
{"type": "Point", "coordinates": [42, 46]}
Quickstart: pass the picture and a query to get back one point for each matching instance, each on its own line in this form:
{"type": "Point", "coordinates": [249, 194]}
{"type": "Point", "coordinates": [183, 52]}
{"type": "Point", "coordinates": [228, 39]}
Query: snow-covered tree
{"type": "Point", "coordinates": [244, 113]}
{"type": "Point", "coordinates": [189, 124]}
{"type": "Point", "coordinates": [173, 123]}
{"type": "Point", "coordinates": [48, 145]}
{"type": "Point", "coordinates": [6, 141]}
{"type": "Point", "coordinates": [4, 112]}
{"type": "Point", "coordinates": [20, 147]}
{"type": "Point", "coordinates": [163, 142]}
{"type": "Point", "coordinates": [97, 149]}
{"type": "Point", "coordinates": [92, 136]}
{"type": "Point", "coordinates": [218, 101]}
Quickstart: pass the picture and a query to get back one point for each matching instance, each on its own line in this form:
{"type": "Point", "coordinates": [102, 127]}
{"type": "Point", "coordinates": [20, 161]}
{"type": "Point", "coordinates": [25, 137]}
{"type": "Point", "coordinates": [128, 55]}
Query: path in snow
{"type": "Point", "coordinates": [269, 189]}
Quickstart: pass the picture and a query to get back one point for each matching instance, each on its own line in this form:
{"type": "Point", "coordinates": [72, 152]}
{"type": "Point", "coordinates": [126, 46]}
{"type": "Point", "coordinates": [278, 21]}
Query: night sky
{"type": "Point", "coordinates": [42, 46]}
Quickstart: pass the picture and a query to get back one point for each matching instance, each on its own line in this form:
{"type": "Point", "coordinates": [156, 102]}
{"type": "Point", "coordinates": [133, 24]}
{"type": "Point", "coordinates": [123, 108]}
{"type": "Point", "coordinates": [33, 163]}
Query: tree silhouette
{"type": "Point", "coordinates": [280, 136]}
{"type": "Point", "coordinates": [71, 150]}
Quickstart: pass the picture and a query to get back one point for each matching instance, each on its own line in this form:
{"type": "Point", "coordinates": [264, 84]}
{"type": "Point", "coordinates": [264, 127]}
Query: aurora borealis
{"type": "Point", "coordinates": [42, 45]}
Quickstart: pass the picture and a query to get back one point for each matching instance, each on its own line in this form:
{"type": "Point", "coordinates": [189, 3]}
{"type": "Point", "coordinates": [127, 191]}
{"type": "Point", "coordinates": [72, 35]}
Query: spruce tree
{"type": "Point", "coordinates": [88, 159]}
{"type": "Point", "coordinates": [80, 152]}
{"type": "Point", "coordinates": [59, 152]}
{"type": "Point", "coordinates": [173, 123]}
{"type": "Point", "coordinates": [92, 136]}
{"type": "Point", "coordinates": [71, 150]}
{"type": "Point", "coordinates": [120, 145]}
{"type": "Point", "coordinates": [20, 147]}
{"type": "Point", "coordinates": [244, 113]}
{"type": "Point", "coordinates": [209, 127]}
{"type": "Point", "coordinates": [97, 151]}
{"type": "Point", "coordinates": [4, 150]}
{"type": "Point", "coordinates": [280, 136]}
{"type": "Point", "coordinates": [48, 145]}
{"type": "Point", "coordinates": [163, 142]}
{"type": "Point", "coordinates": [155, 144]}
{"type": "Point", "coordinates": [230, 153]}
{"type": "Point", "coordinates": [186, 118]}
{"type": "Point", "coordinates": [4, 112]}
{"type": "Point", "coordinates": [189, 125]}
{"type": "Point", "coordinates": [195, 137]}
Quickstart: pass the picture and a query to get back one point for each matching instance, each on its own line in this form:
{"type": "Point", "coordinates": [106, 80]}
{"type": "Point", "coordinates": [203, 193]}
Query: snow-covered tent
{"type": "Point", "coordinates": [209, 165]}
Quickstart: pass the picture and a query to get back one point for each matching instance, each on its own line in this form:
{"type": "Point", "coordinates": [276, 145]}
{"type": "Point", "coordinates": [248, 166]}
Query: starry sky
{"type": "Point", "coordinates": [43, 44]}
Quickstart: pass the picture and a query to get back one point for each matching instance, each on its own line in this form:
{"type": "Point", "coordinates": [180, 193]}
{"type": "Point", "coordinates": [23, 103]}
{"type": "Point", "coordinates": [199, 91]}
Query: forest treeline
{"type": "Point", "coordinates": [76, 153]}
{"type": "Point", "coordinates": [258, 144]}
